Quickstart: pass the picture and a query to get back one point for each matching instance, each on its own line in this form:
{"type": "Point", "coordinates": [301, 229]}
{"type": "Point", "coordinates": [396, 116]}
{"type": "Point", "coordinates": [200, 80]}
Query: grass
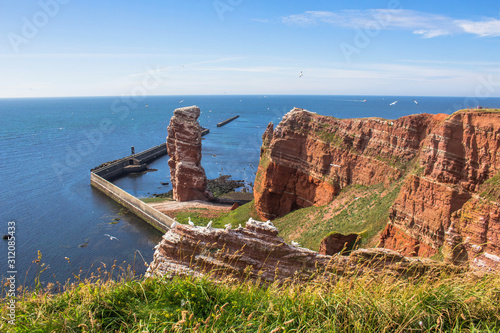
{"type": "Point", "coordinates": [490, 189]}
{"type": "Point", "coordinates": [368, 303]}
{"type": "Point", "coordinates": [201, 216]}
{"type": "Point", "coordinates": [155, 199]}
{"type": "Point", "coordinates": [365, 211]}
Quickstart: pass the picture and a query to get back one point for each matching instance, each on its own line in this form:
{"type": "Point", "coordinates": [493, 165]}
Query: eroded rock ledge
{"type": "Point", "coordinates": [256, 252]}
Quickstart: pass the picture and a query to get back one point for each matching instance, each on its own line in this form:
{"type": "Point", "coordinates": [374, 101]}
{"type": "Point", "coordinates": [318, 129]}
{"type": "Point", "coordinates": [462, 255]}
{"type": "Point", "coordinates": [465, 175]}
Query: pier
{"type": "Point", "coordinates": [222, 123]}
{"type": "Point", "coordinates": [133, 163]}
{"type": "Point", "coordinates": [101, 176]}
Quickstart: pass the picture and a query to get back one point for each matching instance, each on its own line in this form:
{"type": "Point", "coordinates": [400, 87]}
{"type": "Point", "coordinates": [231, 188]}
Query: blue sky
{"type": "Point", "coordinates": [161, 47]}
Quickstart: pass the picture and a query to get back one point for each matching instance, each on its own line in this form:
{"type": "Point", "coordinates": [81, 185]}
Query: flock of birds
{"type": "Point", "coordinates": [227, 227]}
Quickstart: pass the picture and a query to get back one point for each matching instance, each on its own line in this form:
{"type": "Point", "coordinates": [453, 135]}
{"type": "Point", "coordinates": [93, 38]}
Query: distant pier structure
{"type": "Point", "coordinates": [222, 123]}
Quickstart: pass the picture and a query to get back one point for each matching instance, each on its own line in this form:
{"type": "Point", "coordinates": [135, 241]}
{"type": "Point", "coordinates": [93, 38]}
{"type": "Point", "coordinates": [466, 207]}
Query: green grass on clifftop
{"type": "Point", "coordinates": [367, 303]}
{"type": "Point", "coordinates": [219, 220]}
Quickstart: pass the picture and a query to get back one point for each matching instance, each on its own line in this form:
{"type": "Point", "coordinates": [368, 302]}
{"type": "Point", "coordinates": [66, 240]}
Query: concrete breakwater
{"type": "Point", "coordinates": [133, 163]}
{"type": "Point", "coordinates": [222, 123]}
{"type": "Point", "coordinates": [100, 179]}
{"type": "Point", "coordinates": [152, 216]}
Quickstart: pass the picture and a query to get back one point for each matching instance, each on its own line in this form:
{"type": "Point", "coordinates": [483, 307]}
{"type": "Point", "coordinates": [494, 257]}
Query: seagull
{"type": "Point", "coordinates": [393, 103]}
{"type": "Point", "coordinates": [294, 243]}
{"type": "Point", "coordinates": [173, 225]}
{"type": "Point", "coordinates": [301, 75]}
{"type": "Point", "coordinates": [190, 222]}
{"type": "Point", "coordinates": [209, 225]}
{"type": "Point", "coordinates": [228, 226]}
{"type": "Point", "coordinates": [111, 237]}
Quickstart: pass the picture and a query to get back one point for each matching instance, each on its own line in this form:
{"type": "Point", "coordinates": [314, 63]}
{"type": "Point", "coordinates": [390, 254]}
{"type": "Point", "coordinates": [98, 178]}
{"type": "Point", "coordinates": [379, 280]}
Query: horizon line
{"type": "Point", "coordinates": [185, 95]}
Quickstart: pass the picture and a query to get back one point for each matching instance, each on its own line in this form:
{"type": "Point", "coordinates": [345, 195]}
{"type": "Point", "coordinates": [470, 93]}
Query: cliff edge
{"type": "Point", "coordinates": [448, 167]}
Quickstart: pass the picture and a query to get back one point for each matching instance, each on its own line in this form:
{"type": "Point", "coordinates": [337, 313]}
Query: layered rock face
{"type": "Point", "coordinates": [309, 158]}
{"type": "Point", "coordinates": [187, 176]}
{"type": "Point", "coordinates": [441, 160]}
{"type": "Point", "coordinates": [456, 159]}
{"type": "Point", "coordinates": [256, 252]}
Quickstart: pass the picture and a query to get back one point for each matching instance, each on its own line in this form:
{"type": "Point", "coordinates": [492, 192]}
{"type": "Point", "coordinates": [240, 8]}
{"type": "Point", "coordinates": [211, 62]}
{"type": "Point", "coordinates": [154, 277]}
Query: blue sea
{"type": "Point", "coordinates": [49, 145]}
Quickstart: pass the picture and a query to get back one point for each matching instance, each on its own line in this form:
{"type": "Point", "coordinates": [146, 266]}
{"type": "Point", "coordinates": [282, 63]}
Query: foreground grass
{"type": "Point", "coordinates": [369, 303]}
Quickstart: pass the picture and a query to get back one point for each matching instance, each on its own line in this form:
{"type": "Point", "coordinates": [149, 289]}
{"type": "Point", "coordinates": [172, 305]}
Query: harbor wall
{"type": "Point", "coordinates": [152, 216]}
{"type": "Point", "coordinates": [117, 169]}
{"type": "Point", "coordinates": [222, 123]}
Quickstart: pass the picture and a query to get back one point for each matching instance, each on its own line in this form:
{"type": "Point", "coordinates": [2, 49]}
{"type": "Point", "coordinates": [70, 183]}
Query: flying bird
{"type": "Point", "coordinates": [301, 75]}
{"type": "Point", "coordinates": [111, 237]}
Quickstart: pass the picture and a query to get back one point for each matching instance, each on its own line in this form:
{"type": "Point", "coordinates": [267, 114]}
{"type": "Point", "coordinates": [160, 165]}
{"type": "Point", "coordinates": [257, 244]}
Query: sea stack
{"type": "Point", "coordinates": [188, 177]}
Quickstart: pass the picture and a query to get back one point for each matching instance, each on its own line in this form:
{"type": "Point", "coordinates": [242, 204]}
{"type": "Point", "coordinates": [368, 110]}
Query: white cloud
{"type": "Point", "coordinates": [486, 28]}
{"type": "Point", "coordinates": [420, 23]}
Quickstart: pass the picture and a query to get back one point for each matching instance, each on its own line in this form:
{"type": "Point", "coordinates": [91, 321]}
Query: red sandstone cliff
{"type": "Point", "coordinates": [187, 176]}
{"type": "Point", "coordinates": [443, 160]}
{"type": "Point", "coordinates": [456, 159]}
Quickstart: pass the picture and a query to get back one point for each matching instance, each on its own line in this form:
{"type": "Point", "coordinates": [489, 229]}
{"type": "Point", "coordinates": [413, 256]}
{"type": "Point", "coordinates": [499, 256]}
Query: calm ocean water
{"type": "Point", "coordinates": [49, 145]}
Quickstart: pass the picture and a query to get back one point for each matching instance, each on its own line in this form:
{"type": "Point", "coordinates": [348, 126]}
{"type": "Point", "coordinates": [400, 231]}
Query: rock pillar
{"type": "Point", "coordinates": [187, 176]}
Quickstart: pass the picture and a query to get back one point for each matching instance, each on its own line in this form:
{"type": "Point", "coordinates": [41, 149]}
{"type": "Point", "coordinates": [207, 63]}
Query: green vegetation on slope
{"type": "Point", "coordinates": [357, 209]}
{"type": "Point", "coordinates": [201, 216]}
{"type": "Point", "coordinates": [490, 189]}
{"type": "Point", "coordinates": [367, 303]}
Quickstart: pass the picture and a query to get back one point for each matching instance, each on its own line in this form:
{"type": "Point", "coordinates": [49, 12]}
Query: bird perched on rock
{"type": "Point", "coordinates": [190, 222]}
{"type": "Point", "coordinates": [174, 224]}
{"type": "Point", "coordinates": [294, 243]}
{"type": "Point", "coordinates": [228, 226]}
{"type": "Point", "coordinates": [209, 225]}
